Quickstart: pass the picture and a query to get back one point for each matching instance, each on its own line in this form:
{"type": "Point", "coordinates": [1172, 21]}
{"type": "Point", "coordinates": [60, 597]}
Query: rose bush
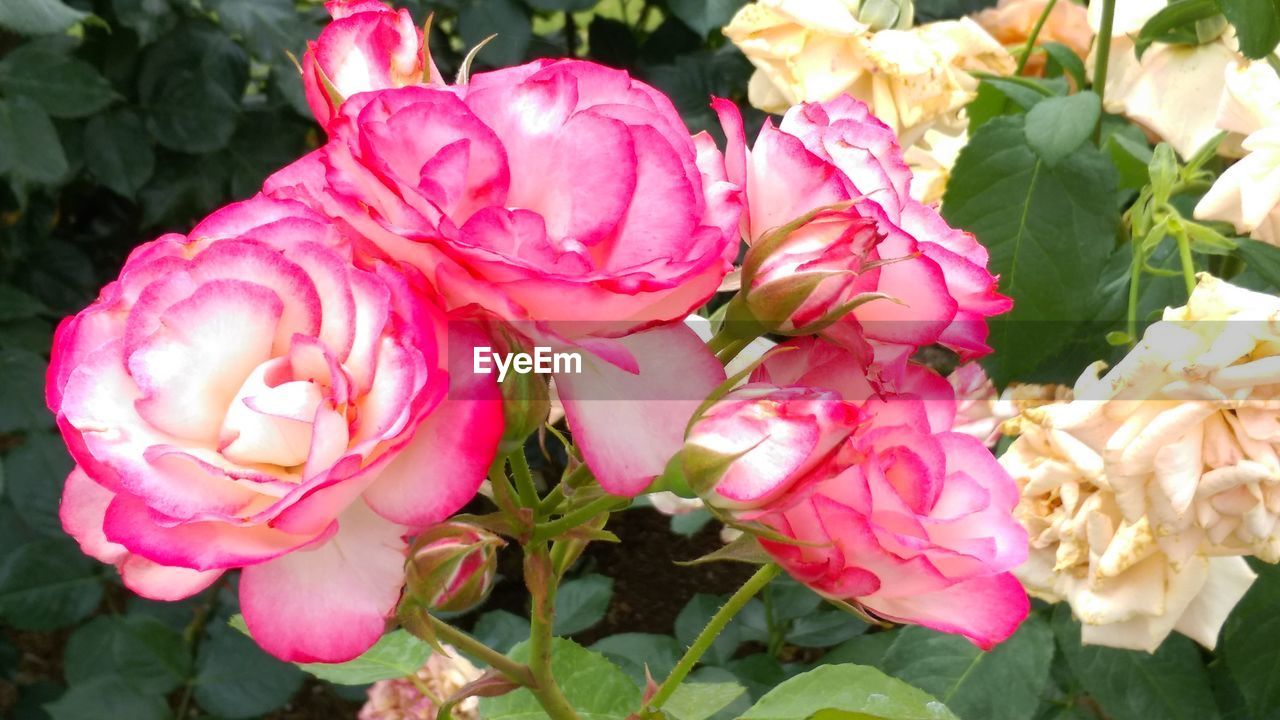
{"type": "Point", "coordinates": [246, 397]}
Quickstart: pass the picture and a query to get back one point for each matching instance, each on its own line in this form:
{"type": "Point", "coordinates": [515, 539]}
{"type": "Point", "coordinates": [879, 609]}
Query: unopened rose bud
{"type": "Point", "coordinates": [808, 274]}
{"type": "Point", "coordinates": [452, 566]}
{"type": "Point", "coordinates": [887, 14]}
{"type": "Point", "coordinates": [758, 440]}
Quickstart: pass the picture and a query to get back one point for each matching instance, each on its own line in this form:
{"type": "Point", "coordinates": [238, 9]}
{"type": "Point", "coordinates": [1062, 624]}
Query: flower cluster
{"type": "Point", "coordinates": [1143, 493]}
{"type": "Point", "coordinates": [286, 389]}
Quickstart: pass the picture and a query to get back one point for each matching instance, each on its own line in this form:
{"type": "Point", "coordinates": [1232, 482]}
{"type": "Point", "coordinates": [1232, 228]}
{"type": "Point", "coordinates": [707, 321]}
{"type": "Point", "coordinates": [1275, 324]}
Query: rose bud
{"type": "Point", "coordinates": [808, 274]}
{"type": "Point", "coordinates": [754, 443]}
{"type": "Point", "coordinates": [452, 566]}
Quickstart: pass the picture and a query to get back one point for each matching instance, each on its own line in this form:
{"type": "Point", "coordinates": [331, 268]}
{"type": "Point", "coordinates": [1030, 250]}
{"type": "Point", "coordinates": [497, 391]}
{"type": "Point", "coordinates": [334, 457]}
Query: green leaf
{"type": "Point", "coordinates": [1068, 60]}
{"type": "Point", "coordinates": [824, 628]}
{"type": "Point", "coordinates": [699, 701]}
{"type": "Point", "coordinates": [38, 17]}
{"type": "Point", "coordinates": [692, 78]}
{"type": "Point", "coordinates": [1261, 258]}
{"type": "Point", "coordinates": [148, 18]}
{"type": "Point", "coordinates": [29, 146]}
{"type": "Point", "coordinates": [1050, 231]}
{"type": "Point", "coordinates": [63, 85]}
{"type": "Point", "coordinates": [35, 472]}
{"type": "Point", "coordinates": [269, 27]}
{"type": "Point", "coordinates": [1257, 24]}
{"type": "Point", "coordinates": [1024, 92]}
{"type": "Point", "coordinates": [562, 5]}
{"type": "Point", "coordinates": [107, 697]}
{"type": "Point", "coordinates": [1175, 21]}
{"type": "Point", "coordinates": [1056, 127]}
{"type": "Point", "coordinates": [688, 524]}
{"type": "Point", "coordinates": [866, 649]}
{"type": "Point", "coordinates": [501, 630]}
{"type": "Point", "coordinates": [1170, 684]}
{"type": "Point", "coordinates": [396, 654]}
{"type": "Point", "coordinates": [47, 585]}
{"type": "Point", "coordinates": [236, 679]}
{"type": "Point", "coordinates": [143, 652]}
{"type": "Point", "coordinates": [22, 377]}
{"type": "Point", "coordinates": [478, 19]}
{"type": "Point", "coordinates": [1251, 642]}
{"type": "Point", "coordinates": [117, 151]}
{"type": "Point", "coordinates": [704, 16]}
{"type": "Point", "coordinates": [634, 652]}
{"type": "Point", "coordinates": [595, 687]}
{"type": "Point", "coordinates": [1003, 684]}
{"type": "Point", "coordinates": [190, 85]}
{"type": "Point", "coordinates": [1131, 157]}
{"type": "Point", "coordinates": [16, 304]}
{"type": "Point", "coordinates": [852, 692]}
{"type": "Point", "coordinates": [582, 603]}
{"type": "Point", "coordinates": [264, 143]}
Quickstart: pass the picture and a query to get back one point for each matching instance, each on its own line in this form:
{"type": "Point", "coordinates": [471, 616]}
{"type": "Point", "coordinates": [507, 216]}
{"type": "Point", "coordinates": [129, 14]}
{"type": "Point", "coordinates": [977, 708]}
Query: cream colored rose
{"type": "Point", "coordinates": [931, 160]}
{"type": "Point", "coordinates": [1173, 90]}
{"type": "Point", "coordinates": [1247, 194]}
{"type": "Point", "coordinates": [1125, 590]}
{"type": "Point", "coordinates": [814, 50]}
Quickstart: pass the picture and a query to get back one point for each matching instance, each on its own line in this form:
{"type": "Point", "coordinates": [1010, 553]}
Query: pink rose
{"type": "Point", "coordinates": [823, 154]}
{"type": "Point", "coordinates": [245, 397]}
{"type": "Point", "coordinates": [753, 443]}
{"type": "Point", "coordinates": [368, 46]}
{"type": "Point", "coordinates": [906, 518]}
{"type": "Point", "coordinates": [566, 199]}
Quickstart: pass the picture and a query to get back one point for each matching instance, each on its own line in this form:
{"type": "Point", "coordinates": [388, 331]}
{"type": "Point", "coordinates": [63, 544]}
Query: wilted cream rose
{"type": "Point", "coordinates": [1173, 90]}
{"type": "Point", "coordinates": [1125, 590]}
{"type": "Point", "coordinates": [1011, 21]}
{"type": "Point", "coordinates": [1180, 443]}
{"type": "Point", "coordinates": [814, 50]}
{"type": "Point", "coordinates": [1247, 194]}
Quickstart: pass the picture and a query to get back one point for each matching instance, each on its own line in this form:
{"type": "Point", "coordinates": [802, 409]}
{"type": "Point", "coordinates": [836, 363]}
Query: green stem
{"type": "Point", "coordinates": [1188, 263]}
{"type": "Point", "coordinates": [1035, 34]}
{"type": "Point", "coordinates": [730, 351]}
{"type": "Point", "coordinates": [1135, 277]}
{"type": "Point", "coordinates": [542, 590]}
{"type": "Point", "coordinates": [709, 633]}
{"type": "Point", "coordinates": [574, 518]}
{"type": "Point", "coordinates": [502, 491]}
{"type": "Point", "coordinates": [720, 341]}
{"type": "Point", "coordinates": [192, 636]}
{"type": "Point", "coordinates": [524, 479]}
{"type": "Point", "coordinates": [1102, 60]}
{"type": "Point", "coordinates": [514, 671]}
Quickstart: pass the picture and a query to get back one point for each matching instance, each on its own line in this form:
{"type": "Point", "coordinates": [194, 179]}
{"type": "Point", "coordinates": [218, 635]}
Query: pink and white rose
{"type": "Point", "coordinates": [906, 518]}
{"type": "Point", "coordinates": [247, 397]}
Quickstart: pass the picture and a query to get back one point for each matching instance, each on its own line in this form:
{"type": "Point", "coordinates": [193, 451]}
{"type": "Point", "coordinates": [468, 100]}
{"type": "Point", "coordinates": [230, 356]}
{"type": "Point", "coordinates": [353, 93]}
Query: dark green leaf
{"type": "Point", "coordinates": [29, 146]}
{"type": "Point", "coordinates": [856, 692]}
{"type": "Point", "coordinates": [117, 151]}
{"type": "Point", "coordinates": [38, 17]}
{"type": "Point", "coordinates": [18, 305]}
{"type": "Point", "coordinates": [1261, 258]}
{"type": "Point", "coordinates": [176, 195]}
{"type": "Point", "coordinates": [1170, 684]}
{"type": "Point", "coordinates": [270, 27]}
{"type": "Point", "coordinates": [825, 628]}
{"type": "Point", "coordinates": [501, 630]}
{"type": "Point", "coordinates": [190, 85]}
{"type": "Point", "coordinates": [595, 687]}
{"type": "Point", "coordinates": [866, 649]}
{"type": "Point", "coordinates": [636, 652]}
{"type": "Point", "coordinates": [47, 585]}
{"type": "Point", "coordinates": [141, 651]}
{"type": "Point", "coordinates": [562, 5]}
{"type": "Point", "coordinates": [704, 16]}
{"type": "Point", "coordinates": [692, 79]}
{"type": "Point", "coordinates": [1003, 684]}
{"type": "Point", "coordinates": [236, 679]}
{"type": "Point", "coordinates": [107, 697]}
{"type": "Point", "coordinates": [1024, 92]}
{"type": "Point", "coordinates": [1131, 157]}
{"type": "Point", "coordinates": [1257, 24]}
{"type": "Point", "coordinates": [478, 19]}
{"type": "Point", "coordinates": [694, 616]}
{"type": "Point", "coordinates": [929, 10]}
{"type": "Point", "coordinates": [22, 376]}
{"type": "Point", "coordinates": [35, 472]}
{"type": "Point", "coordinates": [1251, 643]}
{"type": "Point", "coordinates": [264, 143]}
{"type": "Point", "coordinates": [1175, 21]}
{"type": "Point", "coordinates": [760, 673]}
{"type": "Point", "coordinates": [1056, 127]}
{"type": "Point", "coordinates": [612, 42]}
{"type": "Point", "coordinates": [1048, 231]}
{"type": "Point", "coordinates": [581, 603]}
{"type": "Point", "coordinates": [396, 654]}
{"type": "Point", "coordinates": [148, 18]}
{"type": "Point", "coordinates": [690, 523]}
{"type": "Point", "coordinates": [1068, 60]}
{"type": "Point", "coordinates": [63, 85]}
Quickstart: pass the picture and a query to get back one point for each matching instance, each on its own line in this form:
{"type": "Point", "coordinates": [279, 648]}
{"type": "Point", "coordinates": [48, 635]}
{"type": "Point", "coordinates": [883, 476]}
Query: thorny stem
{"type": "Point", "coordinates": [709, 633]}
{"type": "Point", "coordinates": [514, 671]}
{"type": "Point", "coordinates": [524, 479]}
{"type": "Point", "coordinates": [542, 583]}
{"type": "Point", "coordinates": [574, 518]}
{"type": "Point", "coordinates": [1035, 34]}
